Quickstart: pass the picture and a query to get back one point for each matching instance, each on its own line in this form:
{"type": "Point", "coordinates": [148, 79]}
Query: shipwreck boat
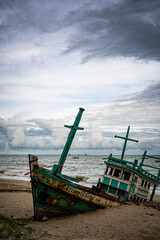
{"type": "Point", "coordinates": [129, 180]}
{"type": "Point", "coordinates": [57, 194]}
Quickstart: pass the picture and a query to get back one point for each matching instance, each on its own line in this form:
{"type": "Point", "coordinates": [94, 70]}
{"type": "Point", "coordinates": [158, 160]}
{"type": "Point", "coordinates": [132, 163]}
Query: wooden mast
{"type": "Point", "coordinates": [74, 128]}
{"type": "Point", "coordinates": [125, 142]}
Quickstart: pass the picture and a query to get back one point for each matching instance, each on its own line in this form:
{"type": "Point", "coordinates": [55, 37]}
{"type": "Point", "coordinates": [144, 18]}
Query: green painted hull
{"type": "Point", "coordinates": [52, 202]}
{"type": "Point", "coordinates": [54, 195]}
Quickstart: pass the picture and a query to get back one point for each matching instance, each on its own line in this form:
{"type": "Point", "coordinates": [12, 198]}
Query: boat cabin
{"type": "Point", "coordinates": [116, 181]}
{"type": "Point", "coordinates": [128, 180]}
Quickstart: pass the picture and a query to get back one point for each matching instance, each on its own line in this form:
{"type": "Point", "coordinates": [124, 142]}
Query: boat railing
{"type": "Point", "coordinates": [148, 174]}
{"type": "Point", "coordinates": [122, 162]}
{"type": "Point", "coordinates": [144, 156]}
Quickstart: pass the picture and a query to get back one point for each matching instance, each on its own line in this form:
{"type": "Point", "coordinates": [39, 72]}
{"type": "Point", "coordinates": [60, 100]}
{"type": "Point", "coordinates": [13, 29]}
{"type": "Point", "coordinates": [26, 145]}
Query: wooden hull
{"type": "Point", "coordinates": [54, 196]}
{"type": "Point", "coordinates": [52, 202]}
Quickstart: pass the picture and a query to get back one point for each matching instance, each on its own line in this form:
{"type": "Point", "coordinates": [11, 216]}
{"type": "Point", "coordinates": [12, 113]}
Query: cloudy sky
{"type": "Point", "coordinates": [59, 55]}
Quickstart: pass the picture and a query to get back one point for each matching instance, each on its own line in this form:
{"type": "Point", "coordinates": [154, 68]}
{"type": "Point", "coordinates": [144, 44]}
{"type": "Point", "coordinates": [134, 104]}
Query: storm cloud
{"type": "Point", "coordinates": [122, 29]}
{"type": "Point", "coordinates": [97, 29]}
{"type": "Point", "coordinates": [43, 83]}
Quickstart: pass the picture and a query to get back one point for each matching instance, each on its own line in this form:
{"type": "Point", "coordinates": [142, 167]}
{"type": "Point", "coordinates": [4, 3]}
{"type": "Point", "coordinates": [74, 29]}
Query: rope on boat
{"type": "Point", "coordinates": [23, 221]}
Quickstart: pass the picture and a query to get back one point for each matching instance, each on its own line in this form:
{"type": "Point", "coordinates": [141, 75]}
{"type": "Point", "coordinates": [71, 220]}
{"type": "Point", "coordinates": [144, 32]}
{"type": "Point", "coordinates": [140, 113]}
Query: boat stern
{"type": "Point", "coordinates": [33, 161]}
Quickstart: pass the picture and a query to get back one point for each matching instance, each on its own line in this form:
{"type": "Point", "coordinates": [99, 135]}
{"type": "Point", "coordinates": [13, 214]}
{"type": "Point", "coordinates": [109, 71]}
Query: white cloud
{"type": "Point", "coordinates": [13, 129]}
{"type": "Point", "coordinates": [75, 85]}
{"type": "Point", "coordinates": [101, 123]}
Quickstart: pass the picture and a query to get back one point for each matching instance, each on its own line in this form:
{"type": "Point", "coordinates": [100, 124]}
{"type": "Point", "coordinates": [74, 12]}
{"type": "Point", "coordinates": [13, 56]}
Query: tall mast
{"type": "Point", "coordinates": [74, 128]}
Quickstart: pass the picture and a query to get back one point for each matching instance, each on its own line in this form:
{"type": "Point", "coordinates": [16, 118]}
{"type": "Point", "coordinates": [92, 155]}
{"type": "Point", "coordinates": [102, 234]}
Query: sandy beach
{"type": "Point", "coordinates": [128, 221]}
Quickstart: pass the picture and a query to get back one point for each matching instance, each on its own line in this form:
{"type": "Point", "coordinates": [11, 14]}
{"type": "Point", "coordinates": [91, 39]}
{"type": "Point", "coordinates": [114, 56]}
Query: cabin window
{"type": "Point", "coordinates": [149, 185]}
{"type": "Point", "coordinates": [136, 179]}
{"type": "Point", "coordinates": [109, 171]}
{"type": "Point", "coordinates": [142, 183]}
{"type": "Point", "coordinates": [131, 198]}
{"type": "Point", "coordinates": [137, 200]}
{"type": "Point", "coordinates": [117, 173]}
{"type": "Point", "coordinates": [145, 184]}
{"type": "Point", "coordinates": [134, 199]}
{"type": "Point", "coordinates": [126, 175]}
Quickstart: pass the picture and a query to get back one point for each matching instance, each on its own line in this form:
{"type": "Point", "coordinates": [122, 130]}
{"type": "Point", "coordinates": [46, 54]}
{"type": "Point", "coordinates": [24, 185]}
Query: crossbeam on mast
{"type": "Point", "coordinates": [125, 142]}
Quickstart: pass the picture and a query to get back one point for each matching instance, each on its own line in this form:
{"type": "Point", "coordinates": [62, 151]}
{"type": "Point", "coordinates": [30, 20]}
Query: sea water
{"type": "Point", "coordinates": [88, 168]}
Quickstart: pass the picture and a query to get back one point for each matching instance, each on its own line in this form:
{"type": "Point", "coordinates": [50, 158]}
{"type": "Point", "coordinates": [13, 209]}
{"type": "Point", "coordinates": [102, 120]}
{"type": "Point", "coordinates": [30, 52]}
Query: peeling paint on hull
{"type": "Point", "coordinates": [52, 197]}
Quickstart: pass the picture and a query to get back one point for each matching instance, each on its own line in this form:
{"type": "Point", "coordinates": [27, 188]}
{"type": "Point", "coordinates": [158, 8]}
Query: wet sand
{"type": "Point", "coordinates": [125, 222]}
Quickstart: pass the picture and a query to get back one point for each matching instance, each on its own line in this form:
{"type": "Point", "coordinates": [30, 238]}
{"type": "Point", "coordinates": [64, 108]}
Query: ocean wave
{"type": "Point", "coordinates": [14, 173]}
{"type": "Point", "coordinates": [80, 178]}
